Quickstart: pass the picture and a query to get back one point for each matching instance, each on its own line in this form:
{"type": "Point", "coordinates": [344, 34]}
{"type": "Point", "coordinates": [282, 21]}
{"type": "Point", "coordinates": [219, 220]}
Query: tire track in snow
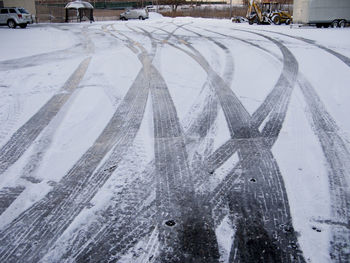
{"type": "Point", "coordinates": [48, 132]}
{"type": "Point", "coordinates": [263, 163]}
{"type": "Point", "coordinates": [52, 215]}
{"type": "Point", "coordinates": [218, 157]}
{"type": "Point", "coordinates": [343, 58]}
{"type": "Point", "coordinates": [46, 220]}
{"type": "Point", "coordinates": [109, 232]}
{"type": "Point", "coordinates": [171, 159]}
{"type": "Point", "coordinates": [175, 191]}
{"type": "Point", "coordinates": [238, 114]}
{"type": "Point", "coordinates": [260, 201]}
{"type": "Point", "coordinates": [337, 154]}
{"type": "Point", "coordinates": [114, 226]}
{"type": "Point", "coordinates": [291, 235]}
{"type": "Point", "coordinates": [81, 49]}
{"type": "Point", "coordinates": [40, 59]}
{"type": "Point", "coordinates": [189, 238]}
{"type": "Point", "coordinates": [45, 140]}
{"type": "Point", "coordinates": [285, 228]}
{"type": "Point", "coordinates": [289, 230]}
{"type": "Point", "coordinates": [8, 195]}
{"type": "Point", "coordinates": [118, 235]}
{"type": "Point", "coordinates": [42, 144]}
{"type": "Point", "coordinates": [229, 71]}
{"type": "Point", "coordinates": [198, 129]}
{"type": "Point", "coordinates": [11, 116]}
{"type": "Point", "coordinates": [113, 233]}
{"type": "Point", "coordinates": [25, 135]}
{"type": "Point", "coordinates": [276, 97]}
{"type": "Point", "coordinates": [105, 247]}
{"type": "Point", "coordinates": [274, 106]}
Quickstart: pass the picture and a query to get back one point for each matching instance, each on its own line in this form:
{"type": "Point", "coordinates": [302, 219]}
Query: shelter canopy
{"type": "Point", "coordinates": [83, 9]}
{"type": "Point", "coordinates": [79, 5]}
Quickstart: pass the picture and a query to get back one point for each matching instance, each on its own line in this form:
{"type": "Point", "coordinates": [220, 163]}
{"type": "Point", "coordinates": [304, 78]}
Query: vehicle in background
{"type": "Point", "coordinates": [255, 15]}
{"type": "Point", "coordinates": [267, 13]}
{"type": "Point", "coordinates": [322, 13]}
{"type": "Point", "coordinates": [274, 12]}
{"type": "Point", "coordinates": [15, 16]}
{"type": "Point", "coordinates": [141, 14]}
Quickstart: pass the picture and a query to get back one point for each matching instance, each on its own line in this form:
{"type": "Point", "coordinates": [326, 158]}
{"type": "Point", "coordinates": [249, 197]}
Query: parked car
{"type": "Point", "coordinates": [15, 16]}
{"type": "Point", "coordinates": [134, 14]}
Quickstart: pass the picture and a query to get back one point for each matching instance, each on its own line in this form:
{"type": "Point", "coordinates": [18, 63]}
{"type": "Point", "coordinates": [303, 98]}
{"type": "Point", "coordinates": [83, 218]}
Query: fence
{"type": "Point", "coordinates": [49, 13]}
{"type": "Point", "coordinates": [207, 11]}
{"type": "Point", "coordinates": [57, 14]}
{"type": "Point", "coordinates": [214, 11]}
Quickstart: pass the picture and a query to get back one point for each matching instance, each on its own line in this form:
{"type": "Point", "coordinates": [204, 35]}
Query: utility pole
{"type": "Point", "coordinates": [230, 9]}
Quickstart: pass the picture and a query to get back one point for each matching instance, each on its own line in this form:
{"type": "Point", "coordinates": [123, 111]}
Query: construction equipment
{"type": "Point", "coordinates": [266, 14]}
{"type": "Point", "coordinates": [273, 11]}
{"type": "Point", "coordinates": [255, 15]}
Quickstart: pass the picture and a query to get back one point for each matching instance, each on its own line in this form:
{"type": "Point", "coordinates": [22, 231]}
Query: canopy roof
{"type": "Point", "coordinates": [79, 4]}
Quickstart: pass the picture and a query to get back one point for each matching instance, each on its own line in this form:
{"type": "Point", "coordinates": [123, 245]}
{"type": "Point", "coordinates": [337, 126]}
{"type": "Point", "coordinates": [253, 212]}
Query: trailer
{"type": "Point", "coordinates": [322, 13]}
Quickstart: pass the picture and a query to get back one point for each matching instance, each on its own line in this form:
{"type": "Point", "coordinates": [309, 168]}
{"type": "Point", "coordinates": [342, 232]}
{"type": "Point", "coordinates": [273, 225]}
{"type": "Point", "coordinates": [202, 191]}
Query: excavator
{"type": "Point", "coordinates": [255, 15]}
{"type": "Point", "coordinates": [267, 14]}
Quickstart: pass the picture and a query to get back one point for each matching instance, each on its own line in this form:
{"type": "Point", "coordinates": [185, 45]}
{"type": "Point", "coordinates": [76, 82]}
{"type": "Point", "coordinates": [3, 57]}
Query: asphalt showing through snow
{"type": "Point", "coordinates": [163, 206]}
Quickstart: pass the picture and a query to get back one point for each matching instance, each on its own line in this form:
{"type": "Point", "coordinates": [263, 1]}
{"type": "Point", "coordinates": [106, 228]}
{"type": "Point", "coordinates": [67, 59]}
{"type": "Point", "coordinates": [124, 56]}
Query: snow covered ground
{"type": "Point", "coordinates": [174, 140]}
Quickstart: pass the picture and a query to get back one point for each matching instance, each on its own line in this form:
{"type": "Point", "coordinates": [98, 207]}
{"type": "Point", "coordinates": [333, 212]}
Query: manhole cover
{"type": "Point", "coordinates": [170, 223]}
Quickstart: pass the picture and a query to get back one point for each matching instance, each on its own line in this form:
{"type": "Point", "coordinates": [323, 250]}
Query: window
{"type": "Point", "coordinates": [23, 11]}
{"type": "Point", "coordinates": [13, 11]}
{"type": "Point", "coordinates": [4, 11]}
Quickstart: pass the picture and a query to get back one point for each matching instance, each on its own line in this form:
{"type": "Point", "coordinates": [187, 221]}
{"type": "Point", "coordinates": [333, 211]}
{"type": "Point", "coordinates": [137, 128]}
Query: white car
{"type": "Point", "coordinates": [15, 16]}
{"type": "Point", "coordinates": [141, 14]}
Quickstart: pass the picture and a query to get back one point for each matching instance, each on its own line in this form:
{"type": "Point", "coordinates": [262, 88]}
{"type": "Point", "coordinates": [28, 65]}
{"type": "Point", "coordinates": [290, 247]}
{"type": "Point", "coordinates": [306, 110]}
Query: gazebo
{"type": "Point", "coordinates": [82, 8]}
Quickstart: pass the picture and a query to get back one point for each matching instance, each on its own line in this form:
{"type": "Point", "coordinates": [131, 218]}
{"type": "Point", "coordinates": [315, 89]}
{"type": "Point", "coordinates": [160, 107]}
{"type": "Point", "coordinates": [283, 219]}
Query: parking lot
{"type": "Point", "coordinates": [174, 140]}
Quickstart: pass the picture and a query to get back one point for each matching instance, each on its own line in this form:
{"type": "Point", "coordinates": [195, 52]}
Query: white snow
{"type": "Point", "coordinates": [34, 40]}
{"type": "Point", "coordinates": [302, 165]}
{"type": "Point", "coordinates": [25, 90]}
{"type": "Point", "coordinates": [225, 235]}
{"type": "Point", "coordinates": [113, 69]}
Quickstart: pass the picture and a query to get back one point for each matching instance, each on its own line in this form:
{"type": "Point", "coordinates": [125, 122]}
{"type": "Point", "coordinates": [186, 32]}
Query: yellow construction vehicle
{"type": "Point", "coordinates": [255, 15]}
{"type": "Point", "coordinates": [273, 11]}
{"type": "Point", "coordinates": [266, 14]}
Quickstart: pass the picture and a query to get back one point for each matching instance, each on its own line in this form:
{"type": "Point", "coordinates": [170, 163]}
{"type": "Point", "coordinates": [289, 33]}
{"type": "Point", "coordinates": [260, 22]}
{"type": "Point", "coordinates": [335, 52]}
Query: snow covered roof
{"type": "Point", "coordinates": [79, 4]}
